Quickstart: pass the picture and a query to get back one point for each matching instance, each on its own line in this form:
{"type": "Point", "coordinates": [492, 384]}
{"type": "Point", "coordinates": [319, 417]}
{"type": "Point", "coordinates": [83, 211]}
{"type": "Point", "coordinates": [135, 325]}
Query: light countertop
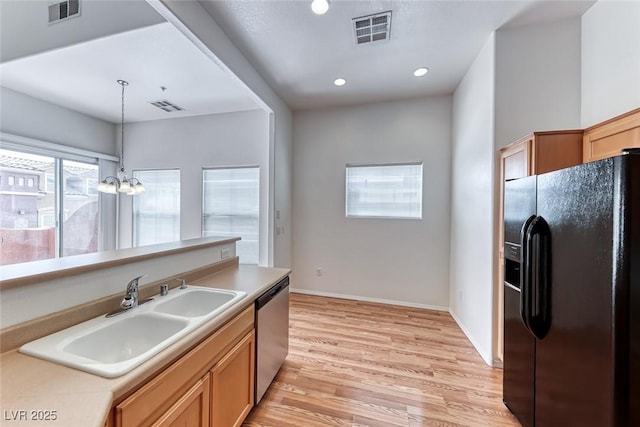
{"type": "Point", "coordinates": [29, 387]}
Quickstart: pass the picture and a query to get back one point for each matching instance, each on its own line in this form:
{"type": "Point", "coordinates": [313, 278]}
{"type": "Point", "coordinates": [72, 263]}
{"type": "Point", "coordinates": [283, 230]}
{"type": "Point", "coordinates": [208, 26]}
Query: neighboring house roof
{"type": "Point", "coordinates": [39, 165]}
{"type": "Point", "coordinates": [21, 163]}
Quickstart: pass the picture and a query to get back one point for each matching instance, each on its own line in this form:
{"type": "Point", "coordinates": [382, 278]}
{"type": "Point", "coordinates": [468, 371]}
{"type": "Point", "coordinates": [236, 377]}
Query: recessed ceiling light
{"type": "Point", "coordinates": [339, 82]}
{"type": "Point", "coordinates": [320, 7]}
{"type": "Point", "coordinates": [422, 71]}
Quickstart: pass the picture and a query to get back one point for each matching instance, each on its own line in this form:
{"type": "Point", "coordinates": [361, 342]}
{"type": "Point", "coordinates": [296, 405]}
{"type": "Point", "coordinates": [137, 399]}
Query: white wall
{"type": "Point", "coordinates": [525, 79]}
{"type": "Point", "coordinates": [193, 143]}
{"type": "Point", "coordinates": [30, 117]}
{"type": "Point", "coordinates": [472, 192]}
{"type": "Point", "coordinates": [404, 261]}
{"type": "Point", "coordinates": [537, 79]}
{"type": "Point", "coordinates": [194, 21]}
{"type": "Point", "coordinates": [610, 60]}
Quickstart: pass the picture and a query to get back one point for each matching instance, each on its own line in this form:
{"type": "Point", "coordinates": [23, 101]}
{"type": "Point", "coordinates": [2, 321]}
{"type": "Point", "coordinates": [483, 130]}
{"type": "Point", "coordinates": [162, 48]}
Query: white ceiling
{"type": "Point", "coordinates": [83, 77]}
{"type": "Point", "coordinates": [300, 53]}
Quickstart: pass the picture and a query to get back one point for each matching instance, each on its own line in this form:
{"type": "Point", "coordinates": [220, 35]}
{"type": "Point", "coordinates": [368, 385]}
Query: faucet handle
{"type": "Point", "coordinates": [127, 302]}
{"type": "Point", "coordinates": [183, 283]}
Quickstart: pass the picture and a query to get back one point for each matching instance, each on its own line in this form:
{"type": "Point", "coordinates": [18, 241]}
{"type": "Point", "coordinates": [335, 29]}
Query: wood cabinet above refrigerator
{"type": "Point", "coordinates": [541, 152]}
{"type": "Point", "coordinates": [609, 138]}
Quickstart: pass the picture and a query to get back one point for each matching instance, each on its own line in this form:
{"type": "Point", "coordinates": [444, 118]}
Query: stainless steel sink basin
{"type": "Point", "coordinates": [125, 339]}
{"type": "Point", "coordinates": [113, 346]}
{"type": "Point", "coordinates": [196, 302]}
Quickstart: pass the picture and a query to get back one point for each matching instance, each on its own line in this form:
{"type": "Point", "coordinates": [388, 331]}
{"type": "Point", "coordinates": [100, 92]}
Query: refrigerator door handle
{"type": "Point", "coordinates": [525, 273]}
{"type": "Point", "coordinates": [539, 252]}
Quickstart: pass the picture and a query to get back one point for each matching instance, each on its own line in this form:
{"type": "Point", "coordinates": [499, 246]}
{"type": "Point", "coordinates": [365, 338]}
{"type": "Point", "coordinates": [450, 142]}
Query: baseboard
{"type": "Point", "coordinates": [367, 299]}
{"type": "Point", "coordinates": [487, 357]}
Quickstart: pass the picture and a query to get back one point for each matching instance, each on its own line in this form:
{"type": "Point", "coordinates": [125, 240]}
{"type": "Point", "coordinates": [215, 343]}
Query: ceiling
{"type": "Point", "coordinates": [300, 54]}
{"type": "Point", "coordinates": [83, 77]}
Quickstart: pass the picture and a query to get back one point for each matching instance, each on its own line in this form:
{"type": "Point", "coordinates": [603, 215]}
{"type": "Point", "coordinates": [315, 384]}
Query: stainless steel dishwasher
{"type": "Point", "coordinates": [272, 334]}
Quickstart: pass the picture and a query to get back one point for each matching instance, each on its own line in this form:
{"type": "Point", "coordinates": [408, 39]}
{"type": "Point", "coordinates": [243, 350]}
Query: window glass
{"type": "Point", "coordinates": [231, 207]}
{"type": "Point", "coordinates": [384, 191]}
{"type": "Point", "coordinates": [156, 212]}
{"type": "Point", "coordinates": [27, 220]}
{"type": "Point", "coordinates": [81, 215]}
{"type": "Point", "coordinates": [50, 183]}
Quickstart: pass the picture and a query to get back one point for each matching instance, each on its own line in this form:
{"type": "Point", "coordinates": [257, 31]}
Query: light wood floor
{"type": "Point", "coordinates": [362, 364]}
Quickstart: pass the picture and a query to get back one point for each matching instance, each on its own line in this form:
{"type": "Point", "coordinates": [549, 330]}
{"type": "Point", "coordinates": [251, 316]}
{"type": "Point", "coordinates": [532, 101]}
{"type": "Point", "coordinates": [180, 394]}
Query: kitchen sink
{"type": "Point", "coordinates": [125, 339]}
{"type": "Point", "coordinates": [113, 346]}
{"type": "Point", "coordinates": [196, 302]}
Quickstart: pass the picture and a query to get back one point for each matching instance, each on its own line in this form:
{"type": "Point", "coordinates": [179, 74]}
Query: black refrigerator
{"type": "Point", "coordinates": [572, 295]}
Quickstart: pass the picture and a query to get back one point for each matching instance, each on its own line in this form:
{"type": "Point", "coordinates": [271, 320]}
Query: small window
{"type": "Point", "coordinates": [50, 183]}
{"type": "Point", "coordinates": [11, 180]}
{"type": "Point", "coordinates": [384, 191]}
{"type": "Point", "coordinates": [92, 186]}
{"type": "Point", "coordinates": [30, 182]}
{"type": "Point", "coordinates": [20, 182]}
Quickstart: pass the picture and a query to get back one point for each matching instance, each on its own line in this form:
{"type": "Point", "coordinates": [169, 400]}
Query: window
{"type": "Point", "coordinates": [92, 186]}
{"type": "Point", "coordinates": [49, 183]}
{"type": "Point", "coordinates": [384, 191]}
{"type": "Point", "coordinates": [156, 212]}
{"type": "Point", "coordinates": [36, 225]}
{"type": "Point", "coordinates": [231, 207]}
{"type": "Point", "coordinates": [80, 220]}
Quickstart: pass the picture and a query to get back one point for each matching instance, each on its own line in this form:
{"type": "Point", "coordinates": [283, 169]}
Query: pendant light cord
{"type": "Point", "coordinates": [123, 84]}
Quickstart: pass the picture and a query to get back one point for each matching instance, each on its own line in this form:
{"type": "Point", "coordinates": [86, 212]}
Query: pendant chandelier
{"type": "Point", "coordinates": [112, 184]}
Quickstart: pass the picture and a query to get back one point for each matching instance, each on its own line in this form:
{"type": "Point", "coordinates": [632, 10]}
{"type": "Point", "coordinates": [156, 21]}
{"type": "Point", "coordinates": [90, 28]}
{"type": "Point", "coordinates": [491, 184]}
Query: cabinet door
{"type": "Point", "coordinates": [610, 137]}
{"type": "Point", "coordinates": [516, 160]}
{"type": "Point", "coordinates": [232, 382]}
{"type": "Point", "coordinates": [191, 410]}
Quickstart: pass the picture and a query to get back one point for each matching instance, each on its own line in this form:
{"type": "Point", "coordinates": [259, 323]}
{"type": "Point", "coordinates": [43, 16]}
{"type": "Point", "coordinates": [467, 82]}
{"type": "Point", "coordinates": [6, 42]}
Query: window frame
{"type": "Point", "coordinates": [349, 166]}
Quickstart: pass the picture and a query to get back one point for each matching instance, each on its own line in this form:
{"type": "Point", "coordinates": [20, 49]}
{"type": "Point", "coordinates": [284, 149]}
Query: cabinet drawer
{"type": "Point", "coordinates": [156, 397]}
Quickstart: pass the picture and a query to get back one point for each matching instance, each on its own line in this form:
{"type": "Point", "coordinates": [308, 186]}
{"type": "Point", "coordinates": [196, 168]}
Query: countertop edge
{"type": "Point", "coordinates": [37, 271]}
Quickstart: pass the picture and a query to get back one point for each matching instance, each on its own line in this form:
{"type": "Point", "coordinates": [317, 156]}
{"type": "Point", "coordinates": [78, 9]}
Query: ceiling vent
{"type": "Point", "coordinates": [167, 106]}
{"type": "Point", "coordinates": [372, 28]}
{"type": "Point", "coordinates": [63, 10]}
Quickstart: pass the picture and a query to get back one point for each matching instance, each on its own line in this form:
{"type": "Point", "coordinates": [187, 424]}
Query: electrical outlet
{"type": "Point", "coordinates": [225, 253]}
{"type": "Point", "coordinates": [318, 271]}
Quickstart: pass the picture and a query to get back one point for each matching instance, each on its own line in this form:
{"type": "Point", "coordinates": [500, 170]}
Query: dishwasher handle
{"type": "Point", "coordinates": [271, 293]}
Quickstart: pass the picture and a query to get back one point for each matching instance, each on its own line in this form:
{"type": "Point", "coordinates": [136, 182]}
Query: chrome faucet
{"type": "Point", "coordinates": [130, 299]}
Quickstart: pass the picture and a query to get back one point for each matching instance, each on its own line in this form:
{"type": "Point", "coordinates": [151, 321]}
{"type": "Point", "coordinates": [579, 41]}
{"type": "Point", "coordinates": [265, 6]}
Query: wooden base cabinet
{"type": "Point", "coordinates": [210, 386]}
{"type": "Point", "coordinates": [232, 382]}
{"type": "Point", "coordinates": [192, 410]}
